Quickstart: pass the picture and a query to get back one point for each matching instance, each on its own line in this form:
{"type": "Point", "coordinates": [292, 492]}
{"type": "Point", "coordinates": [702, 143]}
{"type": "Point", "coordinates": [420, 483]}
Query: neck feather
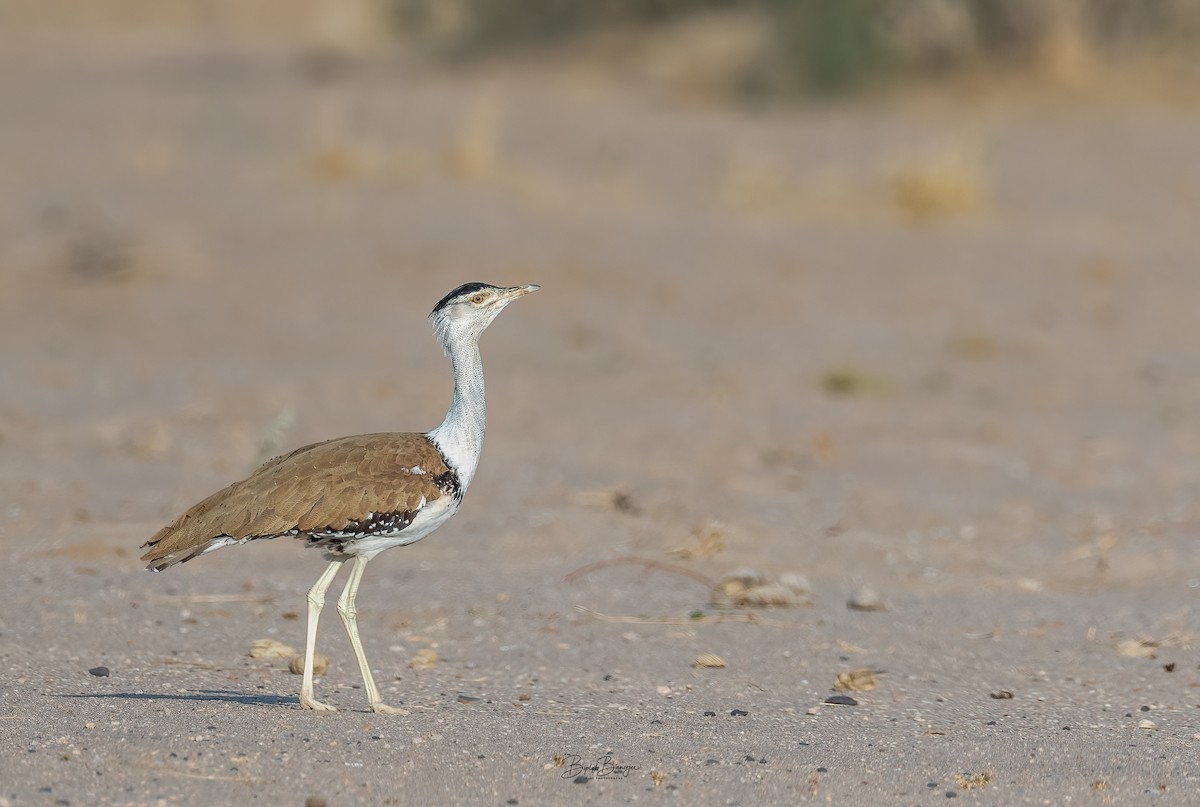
{"type": "Point", "coordinates": [460, 437]}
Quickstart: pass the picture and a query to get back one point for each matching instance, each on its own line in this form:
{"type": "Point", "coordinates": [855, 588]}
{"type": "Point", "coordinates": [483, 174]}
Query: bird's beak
{"type": "Point", "coordinates": [513, 292]}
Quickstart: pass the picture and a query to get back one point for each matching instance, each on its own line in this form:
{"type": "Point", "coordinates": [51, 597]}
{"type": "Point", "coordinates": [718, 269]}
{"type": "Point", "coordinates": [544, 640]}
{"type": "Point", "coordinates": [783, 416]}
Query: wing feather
{"type": "Point", "coordinates": [324, 486]}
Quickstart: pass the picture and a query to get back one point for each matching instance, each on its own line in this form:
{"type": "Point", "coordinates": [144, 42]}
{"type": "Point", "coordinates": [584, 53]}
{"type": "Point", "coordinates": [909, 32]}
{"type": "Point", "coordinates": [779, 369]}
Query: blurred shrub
{"type": "Point", "coordinates": [831, 46]}
{"type": "Point", "coordinates": [836, 45]}
{"type": "Point", "coordinates": [1022, 27]}
{"type": "Point", "coordinates": [470, 26]}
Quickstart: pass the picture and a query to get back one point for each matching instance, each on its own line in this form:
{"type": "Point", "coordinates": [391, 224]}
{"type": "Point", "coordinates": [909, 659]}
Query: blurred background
{"type": "Point", "coordinates": [909, 282]}
{"type": "Point", "coordinates": [893, 302]}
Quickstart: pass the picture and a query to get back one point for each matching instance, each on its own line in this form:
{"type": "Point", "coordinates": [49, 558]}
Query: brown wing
{"type": "Point", "coordinates": [327, 486]}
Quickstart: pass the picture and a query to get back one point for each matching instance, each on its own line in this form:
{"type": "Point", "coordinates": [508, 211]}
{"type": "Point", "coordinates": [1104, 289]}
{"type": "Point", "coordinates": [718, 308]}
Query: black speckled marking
{"type": "Point", "coordinates": [449, 484]}
{"type": "Point", "coordinates": [335, 541]}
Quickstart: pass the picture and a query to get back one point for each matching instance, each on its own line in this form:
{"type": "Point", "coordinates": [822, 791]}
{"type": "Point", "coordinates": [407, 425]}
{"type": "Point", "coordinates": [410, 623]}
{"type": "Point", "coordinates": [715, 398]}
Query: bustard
{"type": "Point", "coordinates": [356, 496]}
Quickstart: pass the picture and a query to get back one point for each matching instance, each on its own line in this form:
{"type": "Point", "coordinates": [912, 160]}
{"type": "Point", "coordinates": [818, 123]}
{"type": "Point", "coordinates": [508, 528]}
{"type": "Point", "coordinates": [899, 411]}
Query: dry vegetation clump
{"type": "Point", "coordinates": [826, 47]}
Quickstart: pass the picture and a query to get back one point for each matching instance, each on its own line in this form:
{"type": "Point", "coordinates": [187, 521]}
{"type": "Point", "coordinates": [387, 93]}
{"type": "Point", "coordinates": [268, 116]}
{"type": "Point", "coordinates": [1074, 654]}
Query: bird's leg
{"type": "Point", "coordinates": [346, 608]}
{"type": "Point", "coordinates": [316, 600]}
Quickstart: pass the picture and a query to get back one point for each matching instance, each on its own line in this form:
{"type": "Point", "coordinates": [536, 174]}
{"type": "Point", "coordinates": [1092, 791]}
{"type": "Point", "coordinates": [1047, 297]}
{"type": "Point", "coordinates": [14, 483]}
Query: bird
{"type": "Point", "coordinates": [353, 497]}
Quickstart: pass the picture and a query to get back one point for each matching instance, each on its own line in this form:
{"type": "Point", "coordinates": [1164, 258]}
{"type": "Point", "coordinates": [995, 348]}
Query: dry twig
{"type": "Point", "coordinates": [656, 565]}
{"type": "Point", "coordinates": [687, 620]}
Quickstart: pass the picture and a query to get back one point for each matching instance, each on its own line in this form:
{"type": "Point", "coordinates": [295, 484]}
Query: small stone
{"type": "Point", "coordinates": [314, 801]}
{"type": "Point", "coordinates": [796, 582]}
{"type": "Point", "coordinates": [89, 725]}
{"type": "Point", "coordinates": [469, 699]}
{"type": "Point", "coordinates": [731, 586]}
{"type": "Point", "coordinates": [771, 595]}
{"type": "Point", "coordinates": [1147, 724]}
{"type": "Point", "coordinates": [747, 588]}
{"type": "Point", "coordinates": [623, 502]}
{"type": "Point", "coordinates": [865, 599]}
{"type": "Point", "coordinates": [744, 575]}
{"type": "Point", "coordinates": [738, 713]}
{"type": "Point", "coordinates": [99, 672]}
{"type": "Point", "coordinates": [424, 659]}
{"type": "Point", "coordinates": [863, 680]}
{"type": "Point", "coordinates": [841, 700]}
{"type": "Point", "coordinates": [320, 664]}
{"type": "Point", "coordinates": [709, 660]}
{"type": "Point", "coordinates": [710, 714]}
{"type": "Point", "coordinates": [1001, 695]}
{"type": "Point", "coordinates": [269, 648]}
{"type": "Point", "coordinates": [1138, 648]}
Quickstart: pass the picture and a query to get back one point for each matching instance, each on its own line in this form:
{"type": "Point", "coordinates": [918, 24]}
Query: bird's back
{"type": "Point", "coordinates": [342, 488]}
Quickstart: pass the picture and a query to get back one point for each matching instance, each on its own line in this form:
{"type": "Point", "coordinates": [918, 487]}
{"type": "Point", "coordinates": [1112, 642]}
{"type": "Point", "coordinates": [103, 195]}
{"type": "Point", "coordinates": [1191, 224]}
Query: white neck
{"type": "Point", "coordinates": [460, 437]}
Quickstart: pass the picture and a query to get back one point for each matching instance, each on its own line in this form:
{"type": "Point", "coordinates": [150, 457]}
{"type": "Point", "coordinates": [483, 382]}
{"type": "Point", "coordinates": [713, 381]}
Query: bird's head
{"type": "Point", "coordinates": [465, 312]}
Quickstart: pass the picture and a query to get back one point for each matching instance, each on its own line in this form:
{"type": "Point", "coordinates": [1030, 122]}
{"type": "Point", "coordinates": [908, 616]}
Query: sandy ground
{"type": "Point", "coordinates": [943, 349]}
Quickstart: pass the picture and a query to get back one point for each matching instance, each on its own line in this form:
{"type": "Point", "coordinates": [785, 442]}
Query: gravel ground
{"type": "Point", "coordinates": [943, 349]}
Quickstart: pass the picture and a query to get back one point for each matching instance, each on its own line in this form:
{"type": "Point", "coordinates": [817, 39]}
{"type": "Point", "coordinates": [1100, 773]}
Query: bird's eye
{"type": "Point", "coordinates": [478, 298]}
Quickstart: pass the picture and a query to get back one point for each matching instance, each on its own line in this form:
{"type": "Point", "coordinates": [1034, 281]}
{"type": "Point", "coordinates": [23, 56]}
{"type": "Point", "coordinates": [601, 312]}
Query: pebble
{"type": "Point", "coordinates": [1138, 648]}
{"type": "Point", "coordinates": [738, 713]}
{"type": "Point", "coordinates": [732, 586]}
{"type": "Point", "coordinates": [768, 595]}
{"type": "Point", "coordinates": [99, 672]}
{"type": "Point", "coordinates": [796, 582]}
{"type": "Point", "coordinates": [269, 648]}
{"type": "Point", "coordinates": [841, 700]}
{"type": "Point", "coordinates": [862, 680]}
{"type": "Point", "coordinates": [748, 588]}
{"type": "Point", "coordinates": [1147, 724]}
{"type": "Point", "coordinates": [320, 664]}
{"type": "Point", "coordinates": [745, 575]}
{"type": "Point", "coordinates": [771, 595]}
{"type": "Point", "coordinates": [865, 599]}
{"type": "Point", "coordinates": [424, 659]}
{"type": "Point", "coordinates": [709, 660]}
{"type": "Point", "coordinates": [1001, 695]}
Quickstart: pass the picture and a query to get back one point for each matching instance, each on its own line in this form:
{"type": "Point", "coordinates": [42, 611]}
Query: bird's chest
{"type": "Point", "coordinates": [433, 515]}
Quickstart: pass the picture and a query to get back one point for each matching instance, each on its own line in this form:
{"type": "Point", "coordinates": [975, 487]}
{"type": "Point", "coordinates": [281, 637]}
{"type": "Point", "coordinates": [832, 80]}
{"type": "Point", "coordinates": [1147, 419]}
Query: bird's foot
{"type": "Point", "coordinates": [309, 702]}
{"type": "Point", "coordinates": [384, 709]}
